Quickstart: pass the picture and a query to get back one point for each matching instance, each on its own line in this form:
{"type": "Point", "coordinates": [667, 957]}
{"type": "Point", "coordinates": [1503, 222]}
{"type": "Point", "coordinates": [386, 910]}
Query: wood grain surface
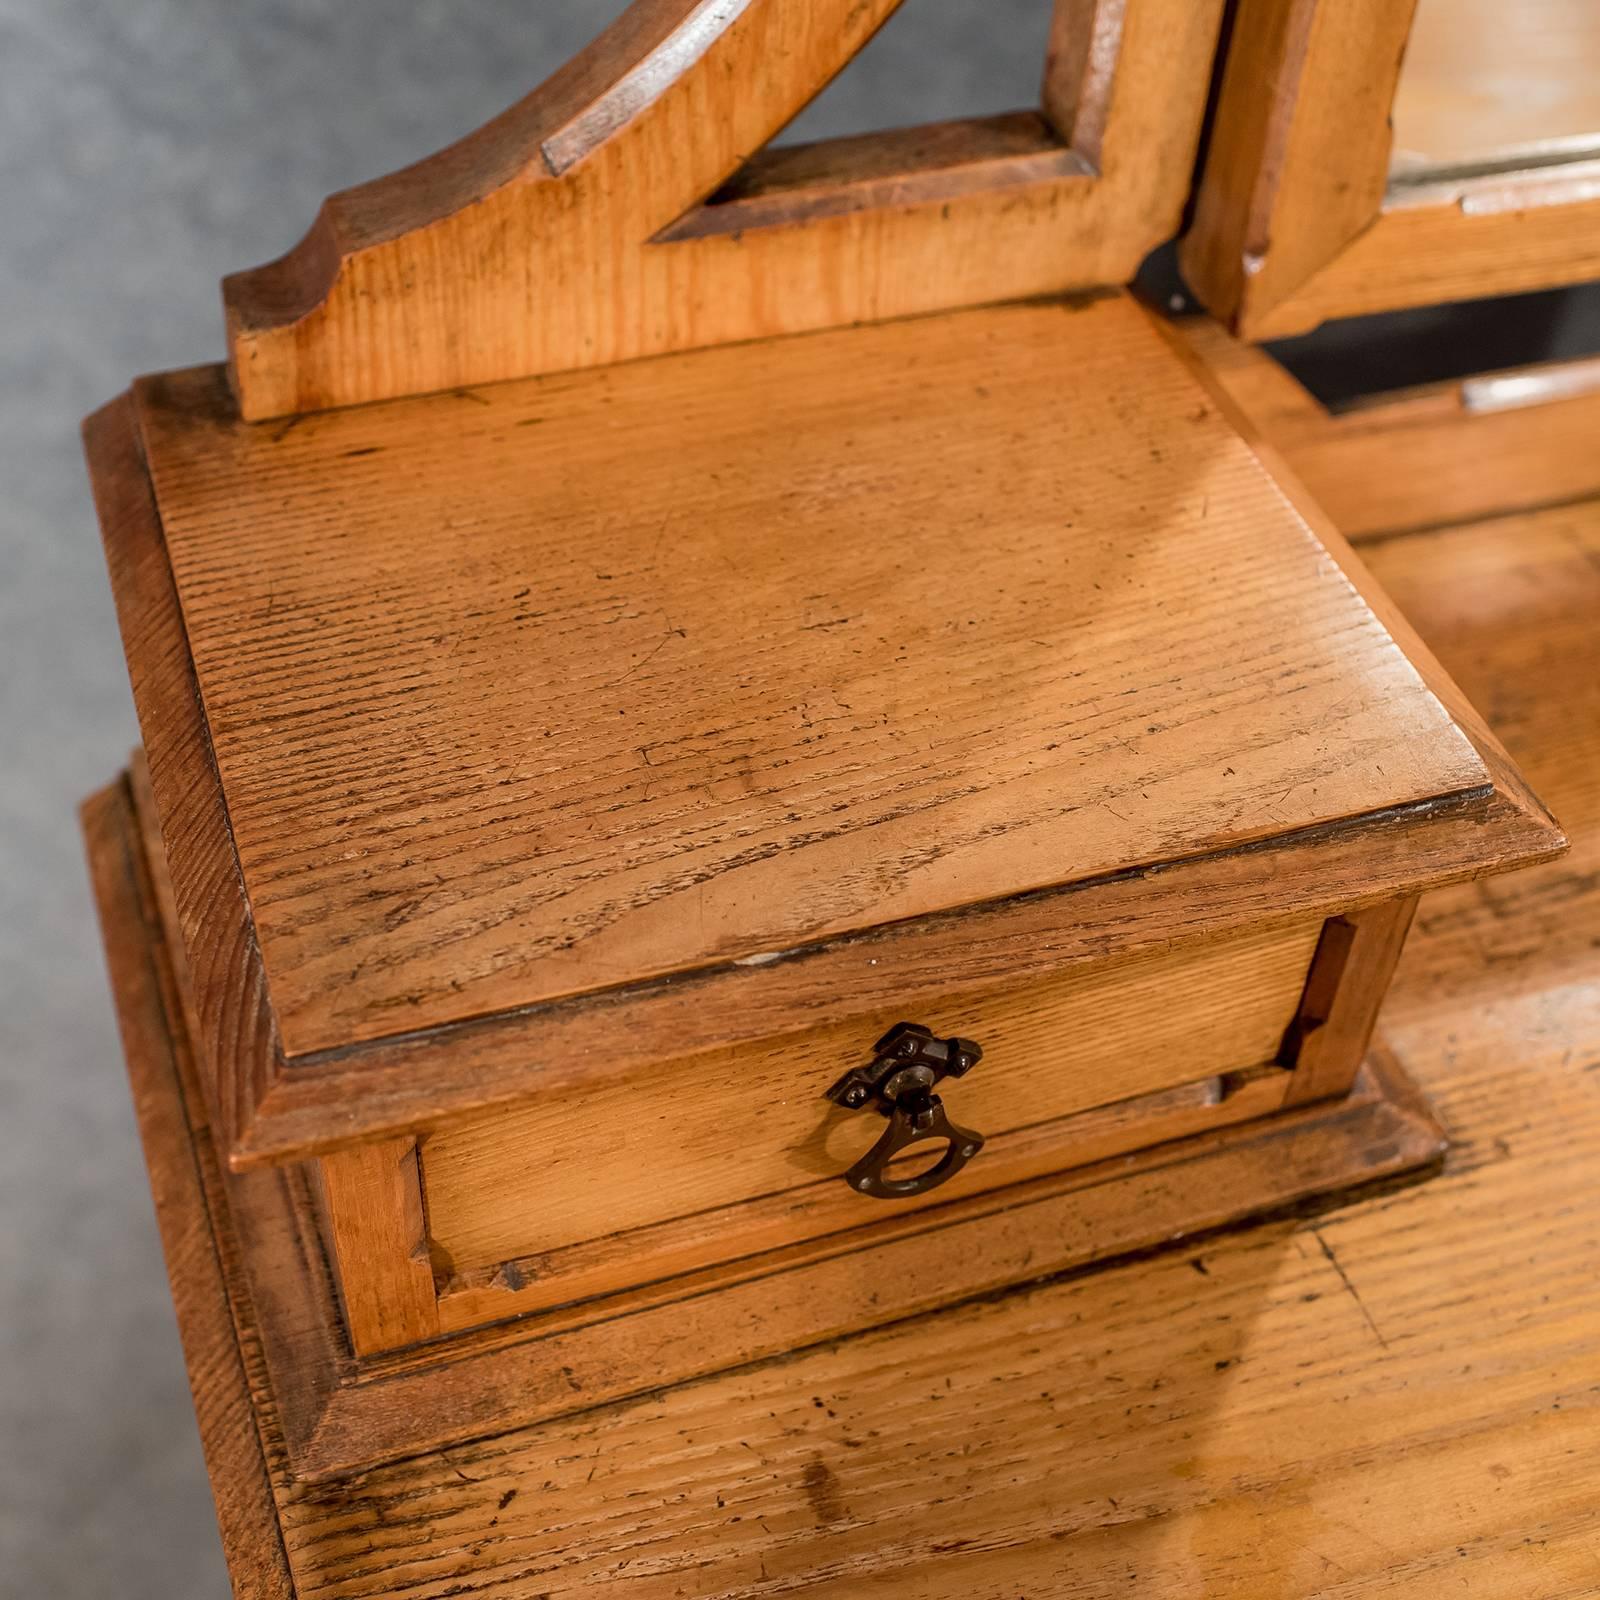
{"type": "Point", "coordinates": [270, 1108]}
{"type": "Point", "coordinates": [1298, 216]}
{"type": "Point", "coordinates": [1398, 1398]}
{"type": "Point", "coordinates": [606, 216]}
{"type": "Point", "coordinates": [598, 678]}
{"type": "Point", "coordinates": [369, 1201]}
{"type": "Point", "coordinates": [247, 1515]}
{"type": "Point", "coordinates": [1426, 457]}
{"type": "Point", "coordinates": [1297, 161]}
{"type": "Point", "coordinates": [733, 1126]}
{"type": "Point", "coordinates": [331, 1416]}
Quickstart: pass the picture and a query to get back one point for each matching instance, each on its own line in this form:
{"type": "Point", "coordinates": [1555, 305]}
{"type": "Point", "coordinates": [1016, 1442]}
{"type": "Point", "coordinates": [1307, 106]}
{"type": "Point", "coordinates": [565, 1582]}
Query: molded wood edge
{"type": "Point", "coordinates": [271, 1110]}
{"type": "Point", "coordinates": [337, 1418]}
{"type": "Point", "coordinates": [560, 236]}
{"type": "Point", "coordinates": [234, 1453]}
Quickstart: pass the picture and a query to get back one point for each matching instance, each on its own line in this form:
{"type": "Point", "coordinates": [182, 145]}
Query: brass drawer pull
{"type": "Point", "coordinates": [907, 1062]}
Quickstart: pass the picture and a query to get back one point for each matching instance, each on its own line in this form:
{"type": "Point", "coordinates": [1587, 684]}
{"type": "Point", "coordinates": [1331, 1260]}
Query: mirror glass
{"type": "Point", "coordinates": [1492, 85]}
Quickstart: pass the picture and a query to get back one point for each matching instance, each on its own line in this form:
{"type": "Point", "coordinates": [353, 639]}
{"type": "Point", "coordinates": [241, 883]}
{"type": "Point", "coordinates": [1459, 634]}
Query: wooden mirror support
{"type": "Point", "coordinates": [1300, 215]}
{"type": "Point", "coordinates": [628, 206]}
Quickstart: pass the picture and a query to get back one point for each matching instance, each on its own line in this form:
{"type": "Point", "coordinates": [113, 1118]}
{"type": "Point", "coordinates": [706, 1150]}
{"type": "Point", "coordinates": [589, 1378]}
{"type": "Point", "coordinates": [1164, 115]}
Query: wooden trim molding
{"type": "Point", "coordinates": [616, 212]}
{"type": "Point", "coordinates": [369, 1199]}
{"type": "Point", "coordinates": [204, 1281]}
{"type": "Point", "coordinates": [1297, 218]}
{"type": "Point", "coordinates": [1419, 458]}
{"type": "Point", "coordinates": [272, 1108]}
{"type": "Point", "coordinates": [334, 1414]}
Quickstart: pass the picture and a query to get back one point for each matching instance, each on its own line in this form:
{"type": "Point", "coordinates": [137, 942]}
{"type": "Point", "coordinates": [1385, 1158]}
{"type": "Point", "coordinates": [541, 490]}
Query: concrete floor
{"type": "Point", "coordinates": [147, 147]}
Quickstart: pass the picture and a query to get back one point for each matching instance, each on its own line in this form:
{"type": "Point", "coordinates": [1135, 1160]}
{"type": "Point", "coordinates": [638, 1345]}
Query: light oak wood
{"type": "Point", "coordinates": [281, 771]}
{"type": "Point", "coordinates": [1295, 217]}
{"type": "Point", "coordinates": [1396, 1398]}
{"type": "Point", "coordinates": [590, 224]}
{"type": "Point", "coordinates": [1419, 458]}
{"type": "Point", "coordinates": [338, 1417]}
{"type": "Point", "coordinates": [736, 1125]}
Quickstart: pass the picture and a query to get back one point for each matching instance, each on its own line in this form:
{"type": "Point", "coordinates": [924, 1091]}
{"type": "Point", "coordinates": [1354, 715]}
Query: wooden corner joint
{"type": "Point", "coordinates": [625, 179]}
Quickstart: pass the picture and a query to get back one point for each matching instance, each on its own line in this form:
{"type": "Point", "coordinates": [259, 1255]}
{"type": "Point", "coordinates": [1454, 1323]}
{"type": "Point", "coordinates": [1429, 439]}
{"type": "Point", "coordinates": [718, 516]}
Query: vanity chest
{"type": "Point", "coordinates": [751, 795]}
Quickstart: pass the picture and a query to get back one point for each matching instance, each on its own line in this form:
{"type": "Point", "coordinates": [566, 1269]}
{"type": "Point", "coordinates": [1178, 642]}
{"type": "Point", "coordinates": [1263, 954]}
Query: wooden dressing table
{"type": "Point", "coordinates": [479, 1292]}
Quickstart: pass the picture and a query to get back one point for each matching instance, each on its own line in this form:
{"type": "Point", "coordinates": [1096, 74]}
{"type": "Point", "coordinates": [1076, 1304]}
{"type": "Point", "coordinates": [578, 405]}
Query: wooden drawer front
{"type": "Point", "coordinates": [726, 1153]}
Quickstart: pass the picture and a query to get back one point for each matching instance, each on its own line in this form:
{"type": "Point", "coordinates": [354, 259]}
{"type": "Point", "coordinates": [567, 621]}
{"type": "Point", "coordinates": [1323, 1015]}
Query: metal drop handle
{"type": "Point", "coordinates": [907, 1062]}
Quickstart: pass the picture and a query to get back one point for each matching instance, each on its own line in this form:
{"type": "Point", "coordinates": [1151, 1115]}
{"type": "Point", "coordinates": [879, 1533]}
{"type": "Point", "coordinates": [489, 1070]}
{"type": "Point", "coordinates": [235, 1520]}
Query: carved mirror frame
{"type": "Point", "coordinates": [629, 206]}
{"type": "Point", "coordinates": [1298, 217]}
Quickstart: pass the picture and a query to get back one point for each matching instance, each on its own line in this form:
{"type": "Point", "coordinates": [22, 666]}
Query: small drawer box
{"type": "Point", "coordinates": [669, 863]}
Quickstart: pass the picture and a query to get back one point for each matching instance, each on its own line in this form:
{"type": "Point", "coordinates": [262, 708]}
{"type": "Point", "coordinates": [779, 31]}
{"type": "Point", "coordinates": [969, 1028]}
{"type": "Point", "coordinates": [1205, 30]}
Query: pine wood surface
{"type": "Point", "coordinates": [493, 728]}
{"type": "Point", "coordinates": [370, 1204]}
{"type": "Point", "coordinates": [1349, 977]}
{"type": "Point", "coordinates": [1397, 1398]}
{"type": "Point", "coordinates": [272, 1108]}
{"type": "Point", "coordinates": [1484, 84]}
{"type": "Point", "coordinates": [367, 1212]}
{"type": "Point", "coordinates": [717, 1247]}
{"type": "Point", "coordinates": [247, 1512]}
{"type": "Point", "coordinates": [1458, 239]}
{"type": "Point", "coordinates": [334, 1416]}
{"type": "Point", "coordinates": [1296, 218]}
{"type": "Point", "coordinates": [611, 214]}
{"type": "Point", "coordinates": [733, 1126]}
{"type": "Point", "coordinates": [1425, 457]}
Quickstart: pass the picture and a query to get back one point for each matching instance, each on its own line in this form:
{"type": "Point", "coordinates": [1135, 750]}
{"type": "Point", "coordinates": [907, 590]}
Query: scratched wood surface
{"type": "Point", "coordinates": [1396, 1398]}
{"type": "Point", "coordinates": [616, 674]}
{"type": "Point", "coordinates": [1299, 216]}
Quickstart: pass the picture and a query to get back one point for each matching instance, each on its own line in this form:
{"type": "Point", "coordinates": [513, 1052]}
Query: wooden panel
{"type": "Point", "coordinates": [729, 1127]}
{"type": "Point", "coordinates": [1286, 1410]}
{"type": "Point", "coordinates": [1295, 219]}
{"type": "Point", "coordinates": [716, 1248]}
{"type": "Point", "coordinates": [337, 1417]}
{"type": "Point", "coordinates": [1485, 84]}
{"type": "Point", "coordinates": [1297, 161]}
{"type": "Point", "coordinates": [370, 1201]}
{"type": "Point", "coordinates": [495, 729]}
{"type": "Point", "coordinates": [569, 232]}
{"type": "Point", "coordinates": [1466, 239]}
{"type": "Point", "coordinates": [1419, 458]}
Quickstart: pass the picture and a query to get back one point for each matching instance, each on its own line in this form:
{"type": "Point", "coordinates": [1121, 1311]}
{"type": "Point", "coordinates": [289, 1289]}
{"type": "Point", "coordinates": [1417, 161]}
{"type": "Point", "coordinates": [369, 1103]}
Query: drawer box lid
{"type": "Point", "coordinates": [553, 727]}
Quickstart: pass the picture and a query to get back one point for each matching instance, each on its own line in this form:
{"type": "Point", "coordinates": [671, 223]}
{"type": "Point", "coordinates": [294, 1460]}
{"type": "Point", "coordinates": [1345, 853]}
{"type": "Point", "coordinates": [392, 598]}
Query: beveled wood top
{"type": "Point", "coordinates": [566, 684]}
{"type": "Point", "coordinates": [1396, 1399]}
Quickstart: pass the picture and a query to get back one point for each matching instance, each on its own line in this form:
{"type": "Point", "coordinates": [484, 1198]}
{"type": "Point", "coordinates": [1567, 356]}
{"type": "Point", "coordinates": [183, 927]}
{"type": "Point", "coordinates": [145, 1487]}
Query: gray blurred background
{"type": "Point", "coordinates": [147, 147]}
